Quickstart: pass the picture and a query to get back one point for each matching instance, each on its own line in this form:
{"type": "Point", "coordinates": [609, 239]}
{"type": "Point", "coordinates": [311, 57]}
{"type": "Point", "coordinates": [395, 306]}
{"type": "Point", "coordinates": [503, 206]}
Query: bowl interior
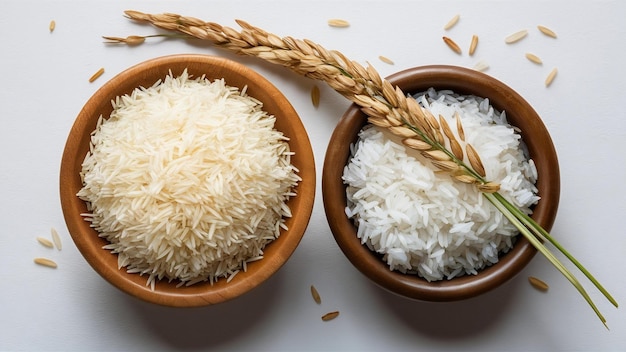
{"type": "Point", "coordinates": [146, 74]}
{"type": "Point", "coordinates": [519, 113]}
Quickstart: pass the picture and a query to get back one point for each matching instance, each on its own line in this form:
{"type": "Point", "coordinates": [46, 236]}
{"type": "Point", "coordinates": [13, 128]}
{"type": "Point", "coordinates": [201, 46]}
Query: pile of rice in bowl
{"type": "Point", "coordinates": [421, 220]}
{"type": "Point", "coordinates": [187, 180]}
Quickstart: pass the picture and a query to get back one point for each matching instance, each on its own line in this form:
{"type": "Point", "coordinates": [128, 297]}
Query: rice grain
{"type": "Point", "coordinates": [547, 31]}
{"type": "Point", "coordinates": [330, 316]}
{"type": "Point", "coordinates": [56, 238]}
{"type": "Point", "coordinates": [473, 44]}
{"type": "Point", "coordinates": [315, 96]}
{"type": "Point", "coordinates": [515, 37]}
{"type": "Point", "coordinates": [52, 26]}
{"type": "Point", "coordinates": [45, 242]}
{"type": "Point", "coordinates": [96, 75]}
{"type": "Point", "coordinates": [481, 66]}
{"type": "Point", "coordinates": [46, 262]}
{"type": "Point", "coordinates": [452, 45]}
{"type": "Point", "coordinates": [453, 21]}
{"type": "Point", "coordinates": [336, 22]}
{"type": "Point", "coordinates": [538, 284]}
{"type": "Point", "coordinates": [534, 58]}
{"type": "Point", "coordinates": [551, 77]}
{"type": "Point", "coordinates": [316, 296]}
{"type": "Point", "coordinates": [385, 60]}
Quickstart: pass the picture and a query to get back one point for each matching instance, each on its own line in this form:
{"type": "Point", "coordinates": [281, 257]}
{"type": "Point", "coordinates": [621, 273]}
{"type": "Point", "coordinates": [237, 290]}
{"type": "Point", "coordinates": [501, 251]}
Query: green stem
{"type": "Point", "coordinates": [545, 236]}
{"type": "Point", "coordinates": [501, 206]}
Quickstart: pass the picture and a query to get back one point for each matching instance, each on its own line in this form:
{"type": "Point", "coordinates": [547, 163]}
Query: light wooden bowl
{"type": "Point", "coordinates": [518, 112]}
{"type": "Point", "coordinates": [146, 74]}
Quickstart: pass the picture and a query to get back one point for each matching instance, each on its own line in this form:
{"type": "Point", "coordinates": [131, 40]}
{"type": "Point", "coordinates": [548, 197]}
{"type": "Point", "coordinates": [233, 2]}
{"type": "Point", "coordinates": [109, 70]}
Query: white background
{"type": "Point", "coordinates": [44, 84]}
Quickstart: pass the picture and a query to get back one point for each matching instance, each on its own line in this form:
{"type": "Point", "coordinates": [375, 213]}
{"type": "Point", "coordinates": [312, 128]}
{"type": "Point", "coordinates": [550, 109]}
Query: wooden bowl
{"type": "Point", "coordinates": [146, 74]}
{"type": "Point", "coordinates": [518, 112]}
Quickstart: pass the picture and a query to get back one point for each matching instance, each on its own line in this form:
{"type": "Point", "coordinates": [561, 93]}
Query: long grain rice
{"type": "Point", "coordinates": [45, 242]}
{"type": "Point", "coordinates": [423, 222]}
{"type": "Point", "coordinates": [187, 180]}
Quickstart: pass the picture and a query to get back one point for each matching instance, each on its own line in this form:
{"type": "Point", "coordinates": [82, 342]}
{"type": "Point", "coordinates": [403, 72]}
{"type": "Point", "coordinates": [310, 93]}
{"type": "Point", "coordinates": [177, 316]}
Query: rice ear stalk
{"type": "Point", "coordinates": [386, 105]}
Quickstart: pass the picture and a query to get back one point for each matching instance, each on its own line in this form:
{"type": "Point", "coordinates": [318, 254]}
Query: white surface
{"type": "Point", "coordinates": [44, 85]}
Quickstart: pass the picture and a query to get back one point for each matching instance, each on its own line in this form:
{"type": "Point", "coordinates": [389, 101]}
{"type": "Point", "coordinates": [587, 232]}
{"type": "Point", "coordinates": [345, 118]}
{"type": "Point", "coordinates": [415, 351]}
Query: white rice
{"type": "Point", "coordinates": [187, 180]}
{"type": "Point", "coordinates": [421, 220]}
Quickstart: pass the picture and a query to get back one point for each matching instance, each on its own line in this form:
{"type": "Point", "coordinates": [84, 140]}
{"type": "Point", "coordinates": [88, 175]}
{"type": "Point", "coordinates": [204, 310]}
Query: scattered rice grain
{"type": "Point", "coordinates": [335, 22]}
{"type": "Point", "coordinates": [46, 262]}
{"type": "Point", "coordinates": [452, 45]}
{"type": "Point", "coordinates": [45, 242]}
{"type": "Point", "coordinates": [534, 58]}
{"type": "Point", "coordinates": [538, 284]}
{"type": "Point", "coordinates": [52, 26]}
{"type": "Point", "coordinates": [547, 31]}
{"type": "Point", "coordinates": [315, 96]}
{"type": "Point", "coordinates": [96, 75]}
{"type": "Point", "coordinates": [385, 60]}
{"type": "Point", "coordinates": [473, 44]}
{"type": "Point", "coordinates": [481, 66]}
{"type": "Point", "coordinates": [330, 316]}
{"type": "Point", "coordinates": [316, 295]}
{"type": "Point", "coordinates": [515, 37]}
{"type": "Point", "coordinates": [453, 21]}
{"type": "Point", "coordinates": [56, 238]}
{"type": "Point", "coordinates": [551, 77]}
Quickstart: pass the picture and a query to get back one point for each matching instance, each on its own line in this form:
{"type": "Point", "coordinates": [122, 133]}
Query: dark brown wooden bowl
{"type": "Point", "coordinates": [146, 74]}
{"type": "Point", "coordinates": [534, 134]}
